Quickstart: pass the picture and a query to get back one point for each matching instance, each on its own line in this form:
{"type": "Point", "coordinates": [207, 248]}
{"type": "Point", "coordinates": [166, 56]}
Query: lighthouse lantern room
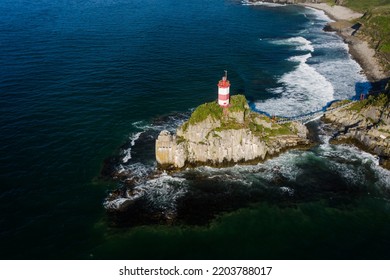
{"type": "Point", "coordinates": [223, 91]}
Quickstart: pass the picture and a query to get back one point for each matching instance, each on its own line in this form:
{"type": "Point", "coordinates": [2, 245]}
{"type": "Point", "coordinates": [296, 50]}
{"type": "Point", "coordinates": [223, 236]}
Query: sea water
{"type": "Point", "coordinates": [87, 85]}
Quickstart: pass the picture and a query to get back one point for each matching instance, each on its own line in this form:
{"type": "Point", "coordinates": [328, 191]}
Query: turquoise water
{"type": "Point", "coordinates": [86, 85]}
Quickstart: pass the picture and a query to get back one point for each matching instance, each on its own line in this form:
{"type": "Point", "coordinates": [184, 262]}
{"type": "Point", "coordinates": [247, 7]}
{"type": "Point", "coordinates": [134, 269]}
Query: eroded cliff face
{"type": "Point", "coordinates": [236, 135]}
{"type": "Point", "coordinates": [366, 124]}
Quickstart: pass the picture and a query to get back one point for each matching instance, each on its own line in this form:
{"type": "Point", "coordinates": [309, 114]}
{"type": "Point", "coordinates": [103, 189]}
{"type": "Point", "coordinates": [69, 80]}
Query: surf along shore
{"type": "Point", "coordinates": [344, 24]}
{"type": "Point", "coordinates": [366, 123]}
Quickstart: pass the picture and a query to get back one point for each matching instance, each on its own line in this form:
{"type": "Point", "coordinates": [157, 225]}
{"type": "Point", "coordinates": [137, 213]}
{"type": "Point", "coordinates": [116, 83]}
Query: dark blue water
{"type": "Point", "coordinates": [83, 81]}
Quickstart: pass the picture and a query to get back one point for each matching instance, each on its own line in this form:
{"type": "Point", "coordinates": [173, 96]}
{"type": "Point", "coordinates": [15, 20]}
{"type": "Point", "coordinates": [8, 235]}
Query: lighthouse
{"type": "Point", "coordinates": [223, 91]}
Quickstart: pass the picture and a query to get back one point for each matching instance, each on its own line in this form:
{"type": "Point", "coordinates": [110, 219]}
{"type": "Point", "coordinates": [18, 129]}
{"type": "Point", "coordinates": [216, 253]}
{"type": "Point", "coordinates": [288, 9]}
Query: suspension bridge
{"type": "Point", "coordinates": [363, 90]}
{"type": "Point", "coordinates": [306, 118]}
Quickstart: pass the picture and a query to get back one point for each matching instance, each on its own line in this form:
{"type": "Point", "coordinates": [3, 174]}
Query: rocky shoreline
{"type": "Point", "coordinates": [365, 124]}
{"type": "Point", "coordinates": [359, 49]}
{"type": "Point", "coordinates": [346, 27]}
{"type": "Point", "coordinates": [221, 137]}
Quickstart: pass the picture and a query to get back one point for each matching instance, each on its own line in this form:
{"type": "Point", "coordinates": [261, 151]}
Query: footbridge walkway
{"type": "Point", "coordinates": [306, 118]}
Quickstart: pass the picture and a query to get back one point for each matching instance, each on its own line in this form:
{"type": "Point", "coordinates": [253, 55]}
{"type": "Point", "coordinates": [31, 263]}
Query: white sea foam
{"type": "Point", "coordinates": [347, 153]}
{"type": "Point", "coordinates": [234, 174]}
{"type": "Point", "coordinates": [283, 165]}
{"type": "Point", "coordinates": [260, 3]}
{"type": "Point", "coordinates": [335, 63]}
{"type": "Point", "coordinates": [137, 172]}
{"type": "Point", "coordinates": [300, 43]}
{"type": "Point", "coordinates": [127, 153]}
{"type": "Point", "coordinates": [163, 192]}
{"type": "Point", "coordinates": [318, 14]}
{"type": "Point", "coordinates": [341, 72]}
{"type": "Point", "coordinates": [170, 124]}
{"type": "Point", "coordinates": [287, 190]}
{"type": "Point", "coordinates": [351, 163]}
{"type": "Point", "coordinates": [383, 176]}
{"type": "Point", "coordinates": [302, 90]}
{"type": "Point", "coordinates": [328, 74]}
{"type": "Point", "coordinates": [160, 193]}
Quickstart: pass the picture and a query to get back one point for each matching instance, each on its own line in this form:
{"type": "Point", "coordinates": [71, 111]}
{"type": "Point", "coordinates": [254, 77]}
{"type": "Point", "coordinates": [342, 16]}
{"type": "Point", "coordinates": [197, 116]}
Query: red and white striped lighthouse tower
{"type": "Point", "coordinates": [223, 91]}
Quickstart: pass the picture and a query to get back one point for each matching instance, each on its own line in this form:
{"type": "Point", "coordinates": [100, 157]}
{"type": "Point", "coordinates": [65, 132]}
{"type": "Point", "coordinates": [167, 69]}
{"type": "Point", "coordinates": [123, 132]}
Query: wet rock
{"type": "Point", "coordinates": [364, 124]}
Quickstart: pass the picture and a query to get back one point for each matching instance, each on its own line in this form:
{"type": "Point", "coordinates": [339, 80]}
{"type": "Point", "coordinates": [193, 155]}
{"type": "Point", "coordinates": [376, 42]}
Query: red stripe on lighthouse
{"type": "Point", "coordinates": [223, 96]}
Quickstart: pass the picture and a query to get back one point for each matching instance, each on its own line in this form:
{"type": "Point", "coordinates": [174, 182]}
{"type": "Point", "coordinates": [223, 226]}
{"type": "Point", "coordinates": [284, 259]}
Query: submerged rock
{"type": "Point", "coordinates": [217, 136]}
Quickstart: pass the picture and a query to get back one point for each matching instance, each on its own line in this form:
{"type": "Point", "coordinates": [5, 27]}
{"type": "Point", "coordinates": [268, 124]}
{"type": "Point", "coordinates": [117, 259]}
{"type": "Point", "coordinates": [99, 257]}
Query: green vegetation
{"type": "Point", "coordinates": [205, 110]}
{"type": "Point", "coordinates": [230, 125]}
{"type": "Point", "coordinates": [342, 102]}
{"type": "Point", "coordinates": [375, 25]}
{"type": "Point", "coordinates": [260, 125]}
{"type": "Point", "coordinates": [384, 130]}
{"type": "Point", "coordinates": [212, 109]}
{"type": "Point", "coordinates": [253, 116]}
{"type": "Point", "coordinates": [179, 139]}
{"type": "Point", "coordinates": [238, 103]}
{"type": "Point", "coordinates": [276, 130]}
{"type": "Point", "coordinates": [364, 5]}
{"type": "Point", "coordinates": [330, 2]}
{"type": "Point", "coordinates": [378, 101]}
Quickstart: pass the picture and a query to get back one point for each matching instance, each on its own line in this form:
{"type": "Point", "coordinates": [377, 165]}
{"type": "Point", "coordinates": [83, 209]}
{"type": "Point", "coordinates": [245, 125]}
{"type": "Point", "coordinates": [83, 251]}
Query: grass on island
{"type": "Point", "coordinates": [212, 109]}
{"type": "Point", "coordinates": [276, 130]}
{"type": "Point", "coordinates": [238, 103]}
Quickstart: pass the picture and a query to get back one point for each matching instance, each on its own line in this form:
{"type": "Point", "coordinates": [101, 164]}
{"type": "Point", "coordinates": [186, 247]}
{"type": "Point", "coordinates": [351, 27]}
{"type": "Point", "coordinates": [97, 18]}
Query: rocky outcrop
{"type": "Point", "coordinates": [227, 136]}
{"type": "Point", "coordinates": [366, 124]}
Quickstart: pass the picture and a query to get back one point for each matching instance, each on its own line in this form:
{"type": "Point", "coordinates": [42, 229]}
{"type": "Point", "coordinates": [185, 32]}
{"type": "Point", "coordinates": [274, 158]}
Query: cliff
{"type": "Point", "coordinates": [364, 123]}
{"type": "Point", "coordinates": [217, 136]}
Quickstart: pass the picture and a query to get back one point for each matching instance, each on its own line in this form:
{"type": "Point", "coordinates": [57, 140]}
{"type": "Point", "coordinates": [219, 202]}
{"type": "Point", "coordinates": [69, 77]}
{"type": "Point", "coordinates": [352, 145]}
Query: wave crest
{"type": "Point", "coordinates": [302, 91]}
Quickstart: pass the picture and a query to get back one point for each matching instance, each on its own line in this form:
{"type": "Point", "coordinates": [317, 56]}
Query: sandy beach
{"type": "Point", "coordinates": [359, 49]}
{"type": "Point", "coordinates": [335, 12]}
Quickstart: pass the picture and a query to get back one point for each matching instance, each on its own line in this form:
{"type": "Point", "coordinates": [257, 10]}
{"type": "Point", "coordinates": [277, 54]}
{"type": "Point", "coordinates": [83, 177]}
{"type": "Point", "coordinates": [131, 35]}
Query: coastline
{"type": "Point", "coordinates": [335, 12]}
{"type": "Point", "coordinates": [359, 49]}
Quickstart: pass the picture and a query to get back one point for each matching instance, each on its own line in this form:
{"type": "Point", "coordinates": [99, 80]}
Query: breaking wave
{"type": "Point", "coordinates": [261, 3]}
{"type": "Point", "coordinates": [159, 194]}
{"type": "Point", "coordinates": [302, 91]}
{"type": "Point", "coordinates": [300, 43]}
{"type": "Point", "coordinates": [325, 71]}
{"type": "Point", "coordinates": [127, 152]}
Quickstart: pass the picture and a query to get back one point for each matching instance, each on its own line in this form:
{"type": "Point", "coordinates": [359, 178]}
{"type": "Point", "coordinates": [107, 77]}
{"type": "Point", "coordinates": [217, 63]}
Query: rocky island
{"type": "Point", "coordinates": [219, 136]}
